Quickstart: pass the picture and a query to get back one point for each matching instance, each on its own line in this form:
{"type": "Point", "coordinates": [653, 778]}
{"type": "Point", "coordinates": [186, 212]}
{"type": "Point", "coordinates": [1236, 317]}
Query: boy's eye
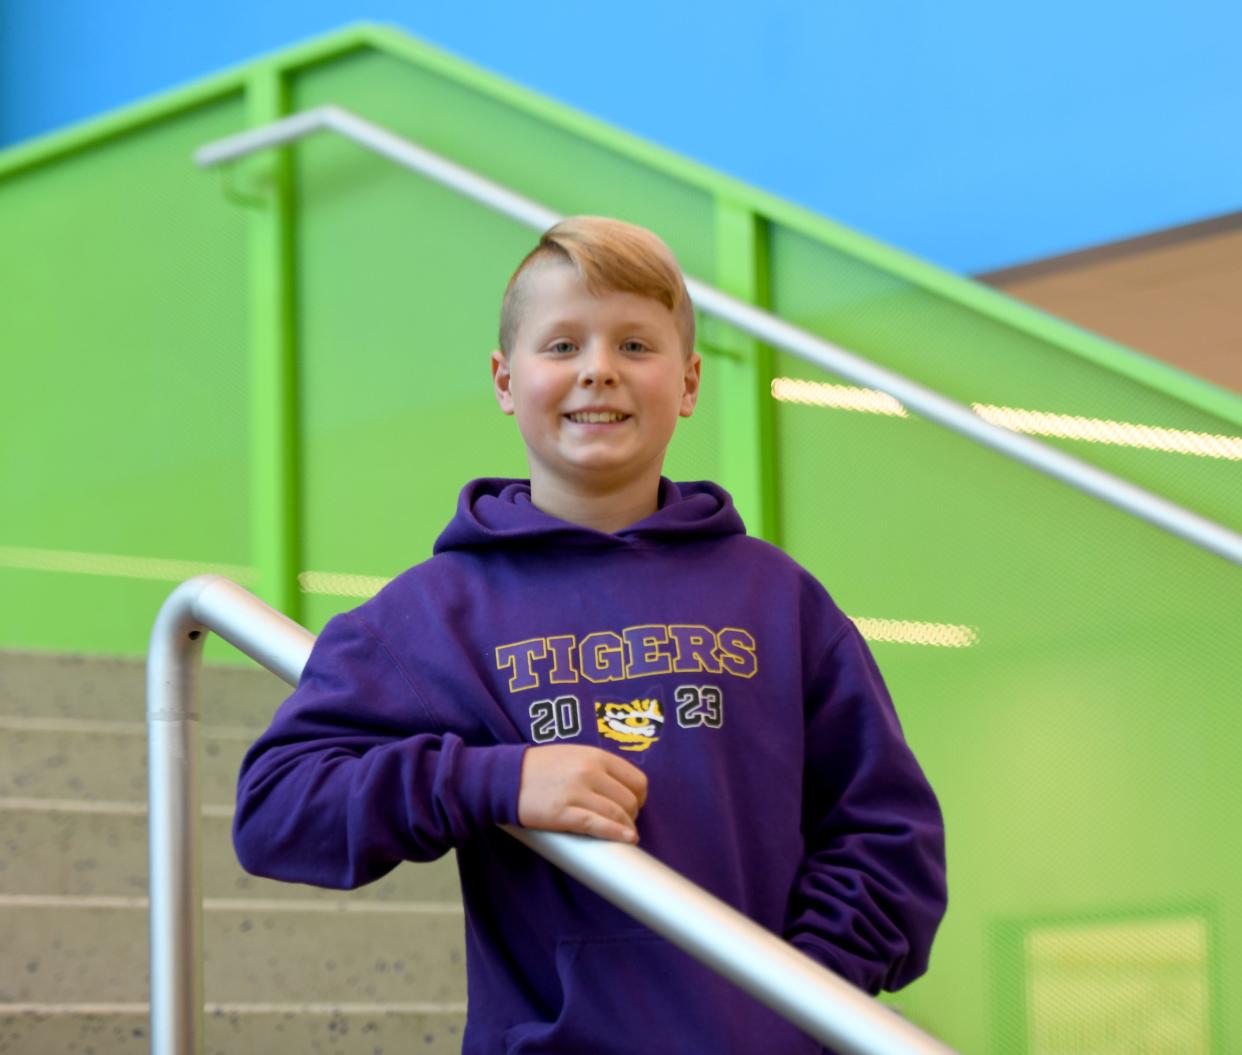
{"type": "Point", "coordinates": [562, 346]}
{"type": "Point", "coordinates": [634, 346]}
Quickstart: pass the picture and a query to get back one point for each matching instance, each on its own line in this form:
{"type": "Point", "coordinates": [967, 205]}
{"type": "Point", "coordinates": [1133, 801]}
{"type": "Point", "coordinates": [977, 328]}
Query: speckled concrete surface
{"type": "Point", "coordinates": [69, 853]}
{"type": "Point", "coordinates": [104, 764]}
{"type": "Point", "coordinates": [228, 1032]}
{"type": "Point", "coordinates": [99, 955]}
{"type": "Point", "coordinates": [73, 865]}
{"type": "Point", "coordinates": [46, 685]}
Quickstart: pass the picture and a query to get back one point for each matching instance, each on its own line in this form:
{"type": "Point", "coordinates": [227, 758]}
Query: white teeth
{"type": "Point", "coordinates": [597, 419]}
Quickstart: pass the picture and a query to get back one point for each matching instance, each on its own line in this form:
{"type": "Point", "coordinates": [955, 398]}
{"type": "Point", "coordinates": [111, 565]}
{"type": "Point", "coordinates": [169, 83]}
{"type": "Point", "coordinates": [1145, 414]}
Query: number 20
{"type": "Point", "coordinates": [558, 719]}
{"type": "Point", "coordinates": [699, 705]}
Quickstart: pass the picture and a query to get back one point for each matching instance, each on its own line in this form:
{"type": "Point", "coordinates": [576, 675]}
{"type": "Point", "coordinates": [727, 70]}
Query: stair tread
{"type": "Point", "coordinates": [51, 685]}
{"type": "Point", "coordinates": [60, 952]}
{"type": "Point", "coordinates": [100, 853]}
{"type": "Point", "coordinates": [229, 1029]}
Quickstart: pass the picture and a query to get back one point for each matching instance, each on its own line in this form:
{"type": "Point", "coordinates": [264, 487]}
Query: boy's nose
{"type": "Point", "coordinates": [598, 368]}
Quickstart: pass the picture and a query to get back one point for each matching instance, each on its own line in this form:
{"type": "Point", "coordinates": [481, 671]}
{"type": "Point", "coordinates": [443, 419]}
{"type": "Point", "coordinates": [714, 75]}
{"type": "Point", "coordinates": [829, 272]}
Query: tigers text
{"type": "Point", "coordinates": [634, 652]}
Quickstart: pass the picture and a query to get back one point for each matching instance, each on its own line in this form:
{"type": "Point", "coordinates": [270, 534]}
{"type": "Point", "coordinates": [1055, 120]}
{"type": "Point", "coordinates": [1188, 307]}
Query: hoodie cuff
{"type": "Point", "coordinates": [844, 967]}
{"type": "Point", "coordinates": [490, 778]}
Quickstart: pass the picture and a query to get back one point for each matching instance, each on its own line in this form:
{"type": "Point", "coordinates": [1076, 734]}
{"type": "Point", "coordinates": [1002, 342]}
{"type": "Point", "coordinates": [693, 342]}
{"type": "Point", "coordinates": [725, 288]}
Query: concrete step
{"type": "Point", "coordinates": [74, 848]}
{"type": "Point", "coordinates": [100, 688]}
{"type": "Point", "coordinates": [231, 1029]}
{"type": "Point", "coordinates": [95, 950]}
{"type": "Point", "coordinates": [73, 758]}
{"type": "Point", "coordinates": [287, 968]}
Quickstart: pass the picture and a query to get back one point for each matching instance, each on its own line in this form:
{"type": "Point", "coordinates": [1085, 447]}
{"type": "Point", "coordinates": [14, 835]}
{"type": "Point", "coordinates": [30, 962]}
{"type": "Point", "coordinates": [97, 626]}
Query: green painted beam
{"type": "Point", "coordinates": [743, 373]}
{"type": "Point", "coordinates": [135, 116]}
{"type": "Point", "coordinates": [274, 473]}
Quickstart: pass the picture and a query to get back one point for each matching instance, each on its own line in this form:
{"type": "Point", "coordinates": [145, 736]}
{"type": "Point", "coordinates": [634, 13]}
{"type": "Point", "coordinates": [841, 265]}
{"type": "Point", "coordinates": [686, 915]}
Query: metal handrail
{"type": "Point", "coordinates": [756, 322]}
{"type": "Point", "coordinates": [825, 1006]}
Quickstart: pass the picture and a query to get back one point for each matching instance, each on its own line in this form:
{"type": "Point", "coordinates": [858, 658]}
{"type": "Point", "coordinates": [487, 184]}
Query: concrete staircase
{"type": "Point", "coordinates": [288, 968]}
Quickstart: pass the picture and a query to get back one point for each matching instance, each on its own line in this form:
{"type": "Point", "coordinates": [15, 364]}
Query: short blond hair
{"type": "Point", "coordinates": [610, 256]}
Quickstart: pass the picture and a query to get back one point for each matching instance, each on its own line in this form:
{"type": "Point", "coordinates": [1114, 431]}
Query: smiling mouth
{"type": "Point", "coordinates": [592, 418]}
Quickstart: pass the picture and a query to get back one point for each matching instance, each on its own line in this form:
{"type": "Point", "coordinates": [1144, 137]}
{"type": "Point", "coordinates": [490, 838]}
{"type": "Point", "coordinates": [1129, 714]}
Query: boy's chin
{"type": "Point", "coordinates": [594, 476]}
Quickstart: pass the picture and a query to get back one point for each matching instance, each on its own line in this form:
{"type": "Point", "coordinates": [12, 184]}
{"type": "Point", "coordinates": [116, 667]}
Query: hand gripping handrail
{"type": "Point", "coordinates": [830, 1009]}
{"type": "Point", "coordinates": [756, 322]}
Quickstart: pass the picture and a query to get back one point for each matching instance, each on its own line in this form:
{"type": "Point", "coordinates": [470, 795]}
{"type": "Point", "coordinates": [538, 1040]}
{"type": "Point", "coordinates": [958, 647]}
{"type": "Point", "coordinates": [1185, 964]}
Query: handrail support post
{"type": "Point", "coordinates": [176, 928]}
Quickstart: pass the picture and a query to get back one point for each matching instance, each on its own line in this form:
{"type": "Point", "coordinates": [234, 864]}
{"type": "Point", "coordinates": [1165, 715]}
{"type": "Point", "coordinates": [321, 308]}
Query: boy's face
{"type": "Point", "coordinates": [573, 352]}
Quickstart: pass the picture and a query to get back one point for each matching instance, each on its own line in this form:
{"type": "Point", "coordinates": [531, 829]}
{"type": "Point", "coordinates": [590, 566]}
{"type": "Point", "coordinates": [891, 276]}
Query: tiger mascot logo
{"type": "Point", "coordinates": [633, 725]}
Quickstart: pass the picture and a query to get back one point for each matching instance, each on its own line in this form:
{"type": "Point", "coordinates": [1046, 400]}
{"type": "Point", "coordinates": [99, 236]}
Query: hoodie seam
{"type": "Point", "coordinates": [839, 635]}
{"type": "Point", "coordinates": [374, 635]}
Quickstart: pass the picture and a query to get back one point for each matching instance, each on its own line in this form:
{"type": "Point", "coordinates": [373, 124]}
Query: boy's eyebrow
{"type": "Point", "coordinates": [637, 324]}
{"type": "Point", "coordinates": [572, 324]}
{"type": "Point", "coordinates": [558, 324]}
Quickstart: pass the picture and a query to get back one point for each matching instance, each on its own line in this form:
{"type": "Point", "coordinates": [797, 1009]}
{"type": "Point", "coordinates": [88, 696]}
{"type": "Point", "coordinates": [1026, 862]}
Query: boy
{"type": "Point", "coordinates": [603, 651]}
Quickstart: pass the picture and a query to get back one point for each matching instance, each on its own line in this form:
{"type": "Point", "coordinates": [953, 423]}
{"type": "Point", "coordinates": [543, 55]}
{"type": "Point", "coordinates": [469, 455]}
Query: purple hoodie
{"type": "Point", "coordinates": [779, 779]}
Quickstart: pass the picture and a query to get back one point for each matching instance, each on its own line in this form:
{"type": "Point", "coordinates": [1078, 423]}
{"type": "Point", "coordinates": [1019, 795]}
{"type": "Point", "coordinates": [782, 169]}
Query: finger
{"type": "Point", "coordinates": [605, 784]}
{"type": "Point", "coordinates": [629, 775]}
{"type": "Point", "coordinates": [623, 769]}
{"type": "Point", "coordinates": [589, 822]}
{"type": "Point", "coordinates": [619, 793]}
{"type": "Point", "coordinates": [609, 809]}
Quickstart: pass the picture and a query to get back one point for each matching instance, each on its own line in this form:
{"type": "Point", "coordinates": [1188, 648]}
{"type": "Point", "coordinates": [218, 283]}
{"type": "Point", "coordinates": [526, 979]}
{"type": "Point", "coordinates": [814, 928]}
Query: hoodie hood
{"type": "Point", "coordinates": [493, 511]}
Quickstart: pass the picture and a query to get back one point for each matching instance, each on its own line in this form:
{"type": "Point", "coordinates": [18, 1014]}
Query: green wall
{"type": "Point", "coordinates": [282, 374]}
{"type": "Point", "coordinates": [124, 435]}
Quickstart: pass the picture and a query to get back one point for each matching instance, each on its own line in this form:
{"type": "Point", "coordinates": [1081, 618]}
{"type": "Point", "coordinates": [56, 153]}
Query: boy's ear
{"type": "Point", "coordinates": [500, 381]}
{"type": "Point", "coordinates": [690, 394]}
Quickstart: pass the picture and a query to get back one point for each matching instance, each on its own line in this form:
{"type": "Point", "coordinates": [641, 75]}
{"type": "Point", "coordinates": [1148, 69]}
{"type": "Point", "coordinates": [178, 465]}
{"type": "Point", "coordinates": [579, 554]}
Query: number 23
{"type": "Point", "coordinates": [699, 705]}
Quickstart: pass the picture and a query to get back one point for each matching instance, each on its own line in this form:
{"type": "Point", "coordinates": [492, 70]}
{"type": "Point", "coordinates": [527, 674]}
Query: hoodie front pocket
{"type": "Point", "coordinates": [636, 994]}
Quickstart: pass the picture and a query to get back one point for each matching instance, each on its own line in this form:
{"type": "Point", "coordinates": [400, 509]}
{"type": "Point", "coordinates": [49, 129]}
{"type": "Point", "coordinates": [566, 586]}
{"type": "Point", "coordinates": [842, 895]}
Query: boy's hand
{"type": "Point", "coordinates": [574, 788]}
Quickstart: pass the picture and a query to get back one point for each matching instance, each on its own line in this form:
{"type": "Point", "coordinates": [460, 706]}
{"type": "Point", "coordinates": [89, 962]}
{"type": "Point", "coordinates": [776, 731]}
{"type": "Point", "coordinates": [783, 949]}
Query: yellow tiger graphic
{"type": "Point", "coordinates": [634, 726]}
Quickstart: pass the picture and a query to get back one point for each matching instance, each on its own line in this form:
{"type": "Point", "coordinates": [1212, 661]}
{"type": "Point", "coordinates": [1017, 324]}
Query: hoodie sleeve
{"type": "Point", "coordinates": [870, 892]}
{"type": "Point", "coordinates": [354, 775]}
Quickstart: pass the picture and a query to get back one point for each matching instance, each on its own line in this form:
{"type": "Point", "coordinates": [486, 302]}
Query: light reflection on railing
{"type": "Point", "coordinates": [910, 632]}
{"type": "Point", "coordinates": [1016, 419]}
